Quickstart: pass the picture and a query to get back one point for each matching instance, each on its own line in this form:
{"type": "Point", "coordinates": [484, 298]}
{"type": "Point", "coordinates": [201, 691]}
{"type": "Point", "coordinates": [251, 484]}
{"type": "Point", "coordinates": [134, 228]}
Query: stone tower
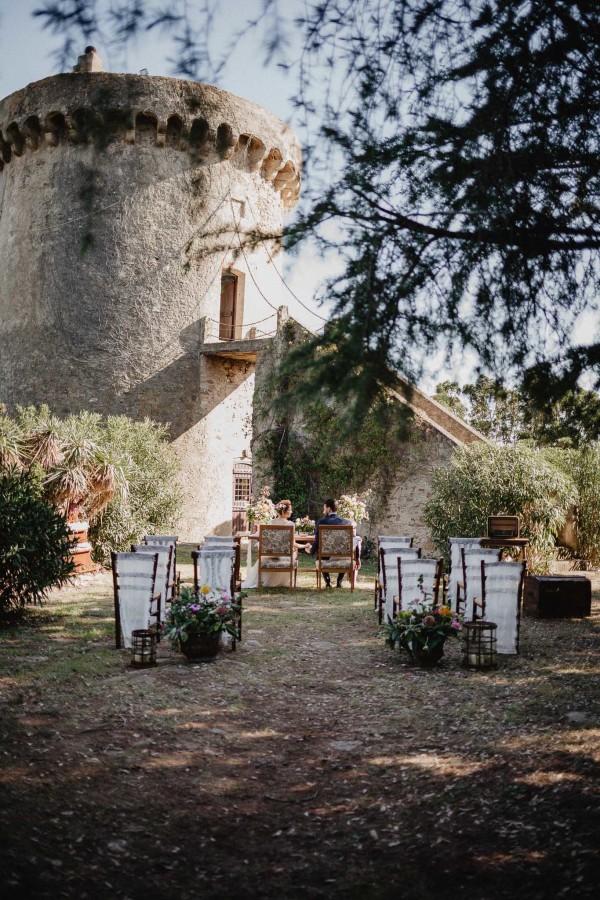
{"type": "Point", "coordinates": [128, 284]}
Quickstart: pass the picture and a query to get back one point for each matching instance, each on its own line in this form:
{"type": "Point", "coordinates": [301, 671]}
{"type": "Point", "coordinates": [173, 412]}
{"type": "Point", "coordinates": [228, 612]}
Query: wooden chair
{"type": "Point", "coordinates": [456, 586]}
{"type": "Point", "coordinates": [137, 605]}
{"type": "Point", "coordinates": [470, 587]}
{"type": "Point", "coordinates": [214, 541]}
{"type": "Point", "coordinates": [387, 540]}
{"type": "Point", "coordinates": [336, 552]}
{"type": "Point", "coordinates": [417, 577]}
{"type": "Point", "coordinates": [388, 583]}
{"type": "Point", "coordinates": [162, 540]}
{"type": "Point", "coordinates": [163, 572]}
{"type": "Point", "coordinates": [215, 566]}
{"type": "Point", "coordinates": [500, 601]}
{"type": "Point", "coordinates": [277, 551]}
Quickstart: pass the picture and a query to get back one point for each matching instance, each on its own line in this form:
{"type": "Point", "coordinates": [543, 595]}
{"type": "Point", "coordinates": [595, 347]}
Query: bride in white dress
{"type": "Point", "coordinates": [272, 579]}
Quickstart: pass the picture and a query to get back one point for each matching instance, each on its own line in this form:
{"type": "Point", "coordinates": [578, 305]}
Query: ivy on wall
{"type": "Point", "coordinates": [310, 457]}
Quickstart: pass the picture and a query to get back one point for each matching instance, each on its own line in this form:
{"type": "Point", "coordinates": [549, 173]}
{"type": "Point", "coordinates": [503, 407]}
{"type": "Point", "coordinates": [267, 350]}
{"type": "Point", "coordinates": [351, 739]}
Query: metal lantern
{"type": "Point", "coordinates": [479, 645]}
{"type": "Point", "coordinates": [143, 648]}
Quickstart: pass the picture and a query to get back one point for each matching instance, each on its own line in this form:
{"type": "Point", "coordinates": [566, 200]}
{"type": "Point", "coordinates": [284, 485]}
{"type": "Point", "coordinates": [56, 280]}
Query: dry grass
{"type": "Point", "coordinates": [312, 762]}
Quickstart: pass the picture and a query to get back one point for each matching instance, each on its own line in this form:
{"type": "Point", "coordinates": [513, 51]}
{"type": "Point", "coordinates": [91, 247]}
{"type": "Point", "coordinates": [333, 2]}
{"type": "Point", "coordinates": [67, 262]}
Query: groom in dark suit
{"type": "Point", "coordinates": [330, 517]}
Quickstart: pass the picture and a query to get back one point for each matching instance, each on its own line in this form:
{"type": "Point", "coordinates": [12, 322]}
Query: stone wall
{"type": "Point", "coordinates": [400, 505]}
{"type": "Point", "coordinates": [123, 199]}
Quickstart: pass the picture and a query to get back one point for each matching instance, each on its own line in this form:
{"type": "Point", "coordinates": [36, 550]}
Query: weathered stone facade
{"type": "Point", "coordinates": [123, 200]}
{"type": "Point", "coordinates": [436, 433]}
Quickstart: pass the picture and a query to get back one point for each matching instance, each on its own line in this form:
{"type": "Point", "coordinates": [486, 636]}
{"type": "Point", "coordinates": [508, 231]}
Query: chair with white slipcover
{"type": "Point", "coordinates": [137, 603]}
{"type": "Point", "coordinates": [471, 584]}
{"type": "Point", "coordinates": [456, 575]}
{"type": "Point", "coordinates": [500, 601]}
{"type": "Point", "coordinates": [386, 540]}
{"type": "Point", "coordinates": [162, 540]}
{"type": "Point", "coordinates": [163, 571]}
{"type": "Point", "coordinates": [388, 581]}
{"type": "Point", "coordinates": [417, 577]}
{"type": "Point", "coordinates": [215, 567]}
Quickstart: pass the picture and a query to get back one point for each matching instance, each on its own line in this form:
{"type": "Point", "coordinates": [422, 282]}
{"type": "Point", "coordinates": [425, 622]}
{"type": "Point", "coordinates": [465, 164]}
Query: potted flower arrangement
{"type": "Point", "coordinates": [353, 507]}
{"type": "Point", "coordinates": [423, 630]}
{"type": "Point", "coordinates": [262, 510]}
{"type": "Point", "coordinates": [195, 623]}
{"type": "Point", "coordinates": [304, 525]}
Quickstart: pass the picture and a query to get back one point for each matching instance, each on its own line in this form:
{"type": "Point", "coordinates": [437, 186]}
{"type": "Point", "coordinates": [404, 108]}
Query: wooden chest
{"type": "Point", "coordinates": [557, 596]}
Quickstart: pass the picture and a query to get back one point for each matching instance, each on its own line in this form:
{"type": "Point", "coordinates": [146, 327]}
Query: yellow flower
{"type": "Point", "coordinates": [205, 589]}
{"type": "Point", "coordinates": [445, 611]}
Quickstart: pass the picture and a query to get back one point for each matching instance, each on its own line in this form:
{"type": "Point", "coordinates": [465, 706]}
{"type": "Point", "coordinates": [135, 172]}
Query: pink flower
{"type": "Point", "coordinates": [429, 621]}
{"type": "Point", "coordinates": [456, 625]}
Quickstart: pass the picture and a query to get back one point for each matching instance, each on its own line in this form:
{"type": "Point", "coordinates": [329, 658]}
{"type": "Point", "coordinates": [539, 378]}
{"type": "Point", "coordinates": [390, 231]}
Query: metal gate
{"type": "Point", "coordinates": [242, 491]}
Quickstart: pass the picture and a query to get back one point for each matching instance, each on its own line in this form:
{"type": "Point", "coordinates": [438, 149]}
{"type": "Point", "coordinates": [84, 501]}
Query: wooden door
{"type": "Point", "coordinates": [227, 314]}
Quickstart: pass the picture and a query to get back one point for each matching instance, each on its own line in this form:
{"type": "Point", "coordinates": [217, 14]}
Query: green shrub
{"type": "Point", "coordinates": [119, 474]}
{"type": "Point", "coordinates": [34, 542]}
{"type": "Point", "coordinates": [153, 498]}
{"type": "Point", "coordinates": [484, 480]}
{"type": "Point", "coordinates": [586, 472]}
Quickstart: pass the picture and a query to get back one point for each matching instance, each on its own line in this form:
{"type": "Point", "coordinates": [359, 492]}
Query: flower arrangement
{"type": "Point", "coordinates": [212, 612]}
{"type": "Point", "coordinates": [262, 510]}
{"type": "Point", "coordinates": [353, 507]}
{"type": "Point", "coordinates": [422, 627]}
{"type": "Point", "coordinates": [305, 525]}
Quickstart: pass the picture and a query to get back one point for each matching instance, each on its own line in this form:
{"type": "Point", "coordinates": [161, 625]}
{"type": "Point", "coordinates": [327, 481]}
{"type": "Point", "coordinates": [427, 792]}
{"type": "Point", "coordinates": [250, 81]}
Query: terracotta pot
{"type": "Point", "coordinates": [427, 659]}
{"type": "Point", "coordinates": [201, 646]}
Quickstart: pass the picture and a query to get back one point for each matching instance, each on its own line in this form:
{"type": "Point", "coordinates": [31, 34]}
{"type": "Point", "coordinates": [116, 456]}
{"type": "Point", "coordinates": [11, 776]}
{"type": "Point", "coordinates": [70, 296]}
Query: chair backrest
{"type": "Point", "coordinates": [501, 592]}
{"type": "Point", "coordinates": [163, 571]}
{"type": "Point", "coordinates": [162, 539]}
{"type": "Point", "coordinates": [134, 580]}
{"type": "Point", "coordinates": [457, 544]}
{"type": "Point", "coordinates": [218, 539]}
{"type": "Point", "coordinates": [336, 540]}
{"type": "Point", "coordinates": [276, 540]}
{"type": "Point", "coordinates": [214, 567]}
{"type": "Point", "coordinates": [388, 567]}
{"type": "Point", "coordinates": [417, 577]}
{"type": "Point", "coordinates": [472, 559]}
{"type": "Point", "coordinates": [396, 540]}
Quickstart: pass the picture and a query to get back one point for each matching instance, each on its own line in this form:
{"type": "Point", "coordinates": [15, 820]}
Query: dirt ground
{"type": "Point", "coordinates": [313, 762]}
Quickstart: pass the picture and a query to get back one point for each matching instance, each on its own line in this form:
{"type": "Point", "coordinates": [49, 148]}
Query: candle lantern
{"type": "Point", "coordinates": [143, 648]}
{"type": "Point", "coordinates": [479, 645]}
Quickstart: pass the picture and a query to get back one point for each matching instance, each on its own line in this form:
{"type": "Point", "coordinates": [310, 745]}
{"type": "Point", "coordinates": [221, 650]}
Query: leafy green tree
{"type": "Point", "coordinates": [448, 394]}
{"type": "Point", "coordinates": [34, 542]}
{"type": "Point", "coordinates": [507, 416]}
{"type": "Point", "coordinates": [573, 420]}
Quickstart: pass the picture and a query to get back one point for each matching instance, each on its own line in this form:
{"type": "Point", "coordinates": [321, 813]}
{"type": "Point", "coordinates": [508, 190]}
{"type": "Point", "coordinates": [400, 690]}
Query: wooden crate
{"type": "Point", "coordinates": [557, 596]}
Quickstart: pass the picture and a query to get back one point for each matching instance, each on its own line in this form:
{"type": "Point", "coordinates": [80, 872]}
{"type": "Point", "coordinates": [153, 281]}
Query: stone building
{"type": "Point", "coordinates": [127, 275]}
{"type": "Point", "coordinates": [130, 282]}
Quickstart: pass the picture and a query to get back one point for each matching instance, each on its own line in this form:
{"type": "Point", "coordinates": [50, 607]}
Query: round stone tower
{"type": "Point", "coordinates": [128, 210]}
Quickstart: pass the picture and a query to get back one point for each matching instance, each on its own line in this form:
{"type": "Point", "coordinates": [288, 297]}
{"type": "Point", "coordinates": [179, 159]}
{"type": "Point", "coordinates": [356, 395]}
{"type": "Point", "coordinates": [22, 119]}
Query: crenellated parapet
{"type": "Point", "coordinates": [166, 114]}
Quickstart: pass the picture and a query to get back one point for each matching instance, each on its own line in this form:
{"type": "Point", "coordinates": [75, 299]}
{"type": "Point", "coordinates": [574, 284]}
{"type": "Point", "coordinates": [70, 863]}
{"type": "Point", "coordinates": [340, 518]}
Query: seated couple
{"type": "Point", "coordinates": [330, 517]}
{"type": "Point", "coordinates": [273, 579]}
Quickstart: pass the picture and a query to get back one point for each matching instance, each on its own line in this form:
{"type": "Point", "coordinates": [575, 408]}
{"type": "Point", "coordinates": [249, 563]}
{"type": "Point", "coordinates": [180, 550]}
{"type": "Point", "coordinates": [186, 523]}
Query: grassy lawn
{"type": "Point", "coordinates": [313, 762]}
